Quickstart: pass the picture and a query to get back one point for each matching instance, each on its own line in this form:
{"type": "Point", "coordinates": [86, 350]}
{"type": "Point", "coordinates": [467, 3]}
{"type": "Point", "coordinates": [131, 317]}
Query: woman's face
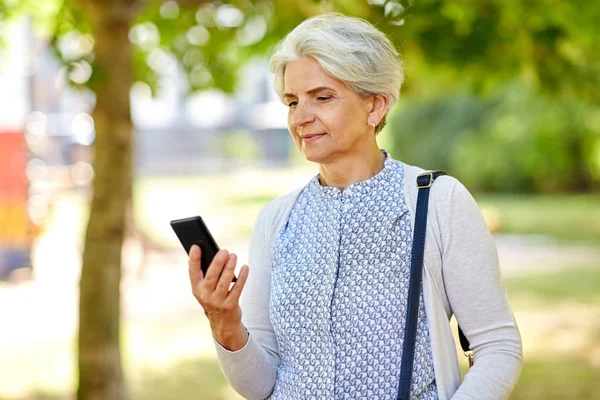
{"type": "Point", "coordinates": [326, 119]}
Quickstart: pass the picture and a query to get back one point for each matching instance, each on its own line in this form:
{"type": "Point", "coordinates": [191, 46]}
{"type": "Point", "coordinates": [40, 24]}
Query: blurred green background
{"type": "Point", "coordinates": [503, 95]}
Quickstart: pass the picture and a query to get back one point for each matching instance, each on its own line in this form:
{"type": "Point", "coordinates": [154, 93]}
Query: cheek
{"type": "Point", "coordinates": [355, 119]}
{"type": "Point", "coordinates": [291, 127]}
{"type": "Point", "coordinates": [345, 111]}
{"type": "Point", "coordinates": [289, 122]}
{"type": "Point", "coordinates": [342, 120]}
{"type": "Point", "coordinates": [294, 133]}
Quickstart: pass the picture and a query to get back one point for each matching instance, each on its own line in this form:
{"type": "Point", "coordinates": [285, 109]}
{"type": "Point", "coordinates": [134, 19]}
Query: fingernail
{"type": "Point", "coordinates": [195, 250]}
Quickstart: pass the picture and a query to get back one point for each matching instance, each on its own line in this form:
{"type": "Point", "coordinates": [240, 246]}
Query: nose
{"type": "Point", "coordinates": [301, 115]}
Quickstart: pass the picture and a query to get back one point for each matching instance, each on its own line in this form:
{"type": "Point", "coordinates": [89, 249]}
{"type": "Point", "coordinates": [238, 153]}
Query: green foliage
{"type": "Point", "coordinates": [65, 26]}
{"type": "Point", "coordinates": [503, 94]}
{"type": "Point", "coordinates": [514, 141]}
{"type": "Point", "coordinates": [207, 40]}
{"type": "Point", "coordinates": [527, 144]}
{"type": "Point", "coordinates": [423, 132]}
{"type": "Point", "coordinates": [549, 45]}
{"type": "Point", "coordinates": [203, 48]}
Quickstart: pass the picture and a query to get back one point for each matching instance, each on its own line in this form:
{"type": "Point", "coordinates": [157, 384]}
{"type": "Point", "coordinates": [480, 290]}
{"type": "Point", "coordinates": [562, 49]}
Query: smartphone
{"type": "Point", "coordinates": [192, 231]}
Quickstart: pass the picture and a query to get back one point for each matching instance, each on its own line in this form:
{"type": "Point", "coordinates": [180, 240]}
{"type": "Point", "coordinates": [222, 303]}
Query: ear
{"type": "Point", "coordinates": [378, 108]}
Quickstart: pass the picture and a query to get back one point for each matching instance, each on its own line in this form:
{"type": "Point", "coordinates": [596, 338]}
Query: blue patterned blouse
{"type": "Point", "coordinates": [339, 291]}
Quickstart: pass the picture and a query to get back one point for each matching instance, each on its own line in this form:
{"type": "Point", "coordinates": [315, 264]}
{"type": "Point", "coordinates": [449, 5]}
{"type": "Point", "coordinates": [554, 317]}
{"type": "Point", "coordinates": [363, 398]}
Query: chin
{"type": "Point", "coordinates": [317, 155]}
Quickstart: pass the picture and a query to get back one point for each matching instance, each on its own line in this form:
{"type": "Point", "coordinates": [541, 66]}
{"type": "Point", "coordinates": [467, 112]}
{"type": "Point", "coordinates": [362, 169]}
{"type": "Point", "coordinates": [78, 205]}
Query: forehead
{"type": "Point", "coordinates": [306, 73]}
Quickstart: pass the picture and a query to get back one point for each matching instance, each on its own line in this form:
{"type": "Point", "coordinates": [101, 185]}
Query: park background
{"type": "Point", "coordinates": [166, 110]}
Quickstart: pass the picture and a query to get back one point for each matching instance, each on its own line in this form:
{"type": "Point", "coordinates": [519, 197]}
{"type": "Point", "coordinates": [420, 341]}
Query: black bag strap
{"type": "Point", "coordinates": [424, 182]}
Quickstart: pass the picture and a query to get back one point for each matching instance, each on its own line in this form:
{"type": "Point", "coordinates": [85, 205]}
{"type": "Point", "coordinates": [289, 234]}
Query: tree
{"type": "Point", "coordinates": [482, 44]}
{"type": "Point", "coordinates": [491, 51]}
{"type": "Point", "coordinates": [124, 41]}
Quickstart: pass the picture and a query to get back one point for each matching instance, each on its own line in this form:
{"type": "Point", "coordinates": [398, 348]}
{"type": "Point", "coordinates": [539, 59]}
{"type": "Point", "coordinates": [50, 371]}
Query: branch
{"type": "Point", "coordinates": [181, 3]}
{"type": "Point", "coordinates": [116, 10]}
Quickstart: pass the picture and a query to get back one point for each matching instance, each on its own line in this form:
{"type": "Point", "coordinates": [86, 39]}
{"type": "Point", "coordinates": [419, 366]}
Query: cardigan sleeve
{"type": "Point", "coordinates": [252, 370]}
{"type": "Point", "coordinates": [478, 299]}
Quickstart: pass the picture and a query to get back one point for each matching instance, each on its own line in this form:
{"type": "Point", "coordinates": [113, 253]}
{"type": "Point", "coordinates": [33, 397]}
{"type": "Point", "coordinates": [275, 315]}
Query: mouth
{"type": "Point", "coordinates": [312, 137]}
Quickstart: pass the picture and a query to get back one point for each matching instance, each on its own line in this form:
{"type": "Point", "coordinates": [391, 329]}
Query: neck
{"type": "Point", "coordinates": [355, 167]}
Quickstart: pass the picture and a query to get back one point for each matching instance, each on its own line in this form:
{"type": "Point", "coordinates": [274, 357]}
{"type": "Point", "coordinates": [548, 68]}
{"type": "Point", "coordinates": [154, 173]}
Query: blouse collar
{"type": "Point", "coordinates": [362, 187]}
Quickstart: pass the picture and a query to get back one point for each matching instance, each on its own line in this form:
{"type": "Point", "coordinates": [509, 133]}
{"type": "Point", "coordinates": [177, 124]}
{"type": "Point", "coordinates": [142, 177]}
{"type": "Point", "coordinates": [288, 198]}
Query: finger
{"type": "Point", "coordinates": [214, 270]}
{"type": "Point", "coordinates": [195, 271]}
{"type": "Point", "coordinates": [238, 286]}
{"type": "Point", "coordinates": [227, 275]}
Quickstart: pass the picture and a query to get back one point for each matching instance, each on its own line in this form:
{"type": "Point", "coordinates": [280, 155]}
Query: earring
{"type": "Point", "coordinates": [373, 124]}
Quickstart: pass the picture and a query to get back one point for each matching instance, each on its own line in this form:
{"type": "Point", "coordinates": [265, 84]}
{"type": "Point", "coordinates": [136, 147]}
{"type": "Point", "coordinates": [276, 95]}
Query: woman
{"type": "Point", "coordinates": [323, 309]}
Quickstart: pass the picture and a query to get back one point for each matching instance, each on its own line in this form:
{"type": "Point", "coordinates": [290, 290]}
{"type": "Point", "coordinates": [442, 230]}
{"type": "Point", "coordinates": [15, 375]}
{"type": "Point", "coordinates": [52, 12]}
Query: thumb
{"type": "Point", "coordinates": [195, 271]}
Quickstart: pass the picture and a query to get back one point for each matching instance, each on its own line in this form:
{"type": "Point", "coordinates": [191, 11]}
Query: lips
{"type": "Point", "coordinates": [312, 137]}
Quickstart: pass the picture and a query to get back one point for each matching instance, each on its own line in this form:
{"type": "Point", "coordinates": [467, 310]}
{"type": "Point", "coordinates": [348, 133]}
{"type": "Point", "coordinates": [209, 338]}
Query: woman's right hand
{"type": "Point", "coordinates": [220, 304]}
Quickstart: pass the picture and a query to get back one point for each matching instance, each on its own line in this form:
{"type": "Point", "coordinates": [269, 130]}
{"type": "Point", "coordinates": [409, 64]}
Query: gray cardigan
{"type": "Point", "coordinates": [461, 277]}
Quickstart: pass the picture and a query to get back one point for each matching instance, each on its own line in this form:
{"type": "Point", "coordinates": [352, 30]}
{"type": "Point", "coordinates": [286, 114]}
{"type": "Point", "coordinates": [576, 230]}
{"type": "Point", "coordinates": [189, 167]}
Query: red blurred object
{"type": "Point", "coordinates": [16, 229]}
{"type": "Point", "coordinates": [13, 163]}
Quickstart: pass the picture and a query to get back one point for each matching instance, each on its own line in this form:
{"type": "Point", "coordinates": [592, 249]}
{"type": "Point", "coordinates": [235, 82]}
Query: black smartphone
{"type": "Point", "coordinates": [192, 231]}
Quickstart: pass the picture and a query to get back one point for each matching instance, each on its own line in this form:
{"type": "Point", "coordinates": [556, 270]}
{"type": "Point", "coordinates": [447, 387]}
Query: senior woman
{"type": "Point", "coordinates": [320, 311]}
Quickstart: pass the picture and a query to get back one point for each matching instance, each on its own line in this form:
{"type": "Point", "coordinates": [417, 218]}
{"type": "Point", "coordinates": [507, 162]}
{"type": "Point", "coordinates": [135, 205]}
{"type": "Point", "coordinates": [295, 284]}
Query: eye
{"type": "Point", "coordinates": [292, 104]}
{"type": "Point", "coordinates": [323, 98]}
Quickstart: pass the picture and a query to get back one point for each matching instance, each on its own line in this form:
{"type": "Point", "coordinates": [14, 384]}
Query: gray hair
{"type": "Point", "coordinates": [349, 49]}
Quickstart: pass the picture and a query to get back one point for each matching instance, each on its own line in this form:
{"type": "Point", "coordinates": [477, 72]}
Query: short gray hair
{"type": "Point", "coordinates": [349, 49]}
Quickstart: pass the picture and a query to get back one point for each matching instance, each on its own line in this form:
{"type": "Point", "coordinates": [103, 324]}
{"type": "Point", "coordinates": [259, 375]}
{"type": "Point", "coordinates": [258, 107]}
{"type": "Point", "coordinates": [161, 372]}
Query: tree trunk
{"type": "Point", "coordinates": [99, 357]}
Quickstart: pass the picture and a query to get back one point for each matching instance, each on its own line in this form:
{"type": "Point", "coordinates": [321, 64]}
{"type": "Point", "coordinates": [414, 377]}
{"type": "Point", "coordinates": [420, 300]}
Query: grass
{"type": "Point", "coordinates": [556, 379]}
{"type": "Point", "coordinates": [581, 285]}
{"type": "Point", "coordinates": [190, 374]}
{"type": "Point", "coordinates": [569, 218]}
{"type": "Point", "coordinates": [40, 395]}
{"type": "Point", "coordinates": [565, 217]}
{"type": "Point", "coordinates": [553, 379]}
{"type": "Point", "coordinates": [253, 200]}
{"type": "Point", "coordinates": [198, 378]}
{"type": "Point", "coordinates": [573, 218]}
{"type": "Point", "coordinates": [188, 380]}
{"type": "Point", "coordinates": [202, 379]}
{"type": "Point", "coordinates": [155, 357]}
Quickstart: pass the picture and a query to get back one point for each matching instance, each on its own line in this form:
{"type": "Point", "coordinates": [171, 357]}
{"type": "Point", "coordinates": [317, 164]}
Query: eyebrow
{"type": "Point", "coordinates": [311, 91]}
